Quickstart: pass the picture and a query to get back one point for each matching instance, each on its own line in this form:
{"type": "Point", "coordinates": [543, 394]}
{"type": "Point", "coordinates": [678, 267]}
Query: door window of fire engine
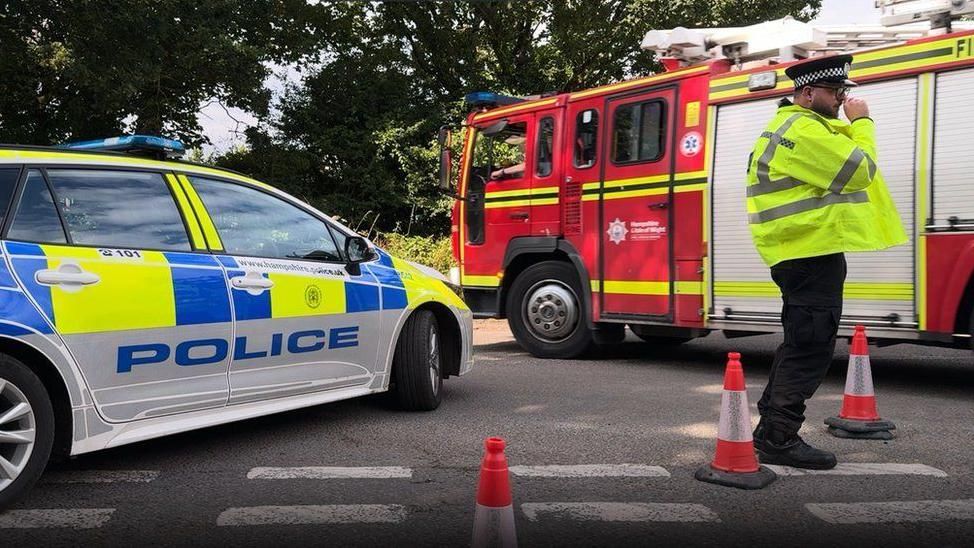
{"type": "Point", "coordinates": [586, 136]}
{"type": "Point", "coordinates": [638, 132]}
{"type": "Point", "coordinates": [499, 155]}
{"type": "Point", "coordinates": [546, 139]}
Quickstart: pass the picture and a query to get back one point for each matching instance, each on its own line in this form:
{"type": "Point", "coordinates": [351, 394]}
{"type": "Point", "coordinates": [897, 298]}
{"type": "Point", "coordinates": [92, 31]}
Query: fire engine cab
{"type": "Point", "coordinates": [580, 213]}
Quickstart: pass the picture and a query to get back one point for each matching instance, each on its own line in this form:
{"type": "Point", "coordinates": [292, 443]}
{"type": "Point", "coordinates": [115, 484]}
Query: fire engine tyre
{"type": "Point", "coordinates": [646, 334]}
{"type": "Point", "coordinates": [417, 363]}
{"type": "Point", "coordinates": [546, 313]}
{"type": "Point", "coordinates": [26, 429]}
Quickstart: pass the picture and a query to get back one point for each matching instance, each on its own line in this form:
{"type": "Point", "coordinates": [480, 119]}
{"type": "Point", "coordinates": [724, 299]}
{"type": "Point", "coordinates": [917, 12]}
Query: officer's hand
{"type": "Point", "coordinates": [855, 108]}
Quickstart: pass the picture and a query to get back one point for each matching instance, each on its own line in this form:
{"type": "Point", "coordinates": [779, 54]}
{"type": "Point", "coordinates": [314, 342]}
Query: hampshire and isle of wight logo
{"type": "Point", "coordinates": [312, 296]}
{"type": "Point", "coordinates": [617, 231]}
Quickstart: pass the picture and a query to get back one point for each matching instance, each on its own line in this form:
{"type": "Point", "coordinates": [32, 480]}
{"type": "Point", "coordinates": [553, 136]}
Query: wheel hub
{"type": "Point", "coordinates": [17, 431]}
{"type": "Point", "coordinates": [551, 310]}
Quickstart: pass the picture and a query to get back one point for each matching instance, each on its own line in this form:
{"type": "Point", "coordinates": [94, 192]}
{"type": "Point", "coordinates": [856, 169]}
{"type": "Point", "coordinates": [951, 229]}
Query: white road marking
{"type": "Point", "coordinates": [300, 515]}
{"type": "Point", "coordinates": [590, 471]}
{"type": "Point", "coordinates": [101, 476]}
{"type": "Point", "coordinates": [894, 512]}
{"type": "Point", "coordinates": [862, 469]}
{"type": "Point", "coordinates": [618, 511]}
{"type": "Point", "coordinates": [64, 518]}
{"type": "Point", "coordinates": [330, 472]}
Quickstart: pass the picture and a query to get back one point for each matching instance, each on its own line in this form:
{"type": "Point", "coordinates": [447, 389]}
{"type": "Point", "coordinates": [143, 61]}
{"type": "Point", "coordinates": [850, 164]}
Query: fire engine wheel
{"type": "Point", "coordinates": [545, 311]}
{"type": "Point", "coordinates": [26, 429]}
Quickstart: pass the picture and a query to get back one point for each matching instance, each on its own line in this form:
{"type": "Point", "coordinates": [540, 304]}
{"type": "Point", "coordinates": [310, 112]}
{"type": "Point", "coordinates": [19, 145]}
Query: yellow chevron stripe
{"type": "Point", "coordinates": [515, 108]}
{"type": "Point", "coordinates": [209, 229]}
{"type": "Point", "coordinates": [481, 281]}
{"type": "Point", "coordinates": [628, 287]}
{"type": "Point", "coordinates": [195, 232]}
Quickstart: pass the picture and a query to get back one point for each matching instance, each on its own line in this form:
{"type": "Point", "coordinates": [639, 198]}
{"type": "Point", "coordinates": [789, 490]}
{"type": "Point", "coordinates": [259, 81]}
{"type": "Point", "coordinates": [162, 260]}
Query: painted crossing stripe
{"type": "Point", "coordinates": [591, 471]}
{"type": "Point", "coordinates": [619, 511]}
{"type": "Point", "coordinates": [64, 518]}
{"type": "Point", "coordinates": [893, 512]}
{"type": "Point", "coordinates": [863, 469]}
{"type": "Point", "coordinates": [101, 476]}
{"type": "Point", "coordinates": [330, 472]}
{"type": "Point", "coordinates": [316, 515]}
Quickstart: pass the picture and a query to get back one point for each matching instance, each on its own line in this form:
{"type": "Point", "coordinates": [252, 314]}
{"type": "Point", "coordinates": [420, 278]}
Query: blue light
{"type": "Point", "coordinates": [127, 143]}
{"type": "Point", "coordinates": [479, 99]}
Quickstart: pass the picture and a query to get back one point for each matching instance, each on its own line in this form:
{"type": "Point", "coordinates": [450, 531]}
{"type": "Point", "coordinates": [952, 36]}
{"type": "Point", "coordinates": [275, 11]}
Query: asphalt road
{"type": "Point", "coordinates": [630, 404]}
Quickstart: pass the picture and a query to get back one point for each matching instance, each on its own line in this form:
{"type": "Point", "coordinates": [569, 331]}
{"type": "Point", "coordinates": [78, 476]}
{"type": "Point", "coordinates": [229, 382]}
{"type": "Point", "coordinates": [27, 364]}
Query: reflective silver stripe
{"type": "Point", "coordinates": [761, 189]}
{"type": "Point", "coordinates": [773, 142]}
{"type": "Point", "coordinates": [849, 169]}
{"type": "Point", "coordinates": [808, 204]}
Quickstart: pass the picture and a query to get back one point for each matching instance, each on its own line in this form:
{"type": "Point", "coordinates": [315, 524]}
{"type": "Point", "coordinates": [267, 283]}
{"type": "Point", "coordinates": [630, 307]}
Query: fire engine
{"type": "Point", "coordinates": [580, 213]}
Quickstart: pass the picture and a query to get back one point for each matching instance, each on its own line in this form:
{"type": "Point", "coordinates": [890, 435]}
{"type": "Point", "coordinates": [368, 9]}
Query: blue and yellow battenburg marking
{"type": "Point", "coordinates": [154, 289]}
{"type": "Point", "coordinates": [20, 317]}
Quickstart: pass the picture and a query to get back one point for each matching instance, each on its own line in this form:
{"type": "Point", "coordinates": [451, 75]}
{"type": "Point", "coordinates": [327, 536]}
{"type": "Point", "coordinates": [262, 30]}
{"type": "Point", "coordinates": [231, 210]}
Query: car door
{"type": "Point", "coordinates": [304, 323]}
{"type": "Point", "coordinates": [106, 256]}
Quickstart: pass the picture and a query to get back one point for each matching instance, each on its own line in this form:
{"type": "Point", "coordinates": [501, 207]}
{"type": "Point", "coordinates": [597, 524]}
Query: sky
{"type": "Point", "coordinates": [219, 124]}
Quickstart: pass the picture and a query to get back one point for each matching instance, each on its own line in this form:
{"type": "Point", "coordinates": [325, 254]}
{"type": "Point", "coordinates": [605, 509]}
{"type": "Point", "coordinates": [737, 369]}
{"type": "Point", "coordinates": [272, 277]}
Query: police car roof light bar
{"type": "Point", "coordinates": [145, 145]}
{"type": "Point", "coordinates": [487, 99]}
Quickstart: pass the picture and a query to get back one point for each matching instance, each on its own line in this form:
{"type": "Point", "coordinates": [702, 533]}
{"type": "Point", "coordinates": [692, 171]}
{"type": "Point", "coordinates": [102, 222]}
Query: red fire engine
{"type": "Point", "coordinates": [581, 213]}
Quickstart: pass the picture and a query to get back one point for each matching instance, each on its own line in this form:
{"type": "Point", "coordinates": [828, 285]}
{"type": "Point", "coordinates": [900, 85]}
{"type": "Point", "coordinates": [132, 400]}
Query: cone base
{"type": "Point", "coordinates": [746, 480]}
{"type": "Point", "coordinates": [860, 427]}
{"type": "Point", "coordinates": [876, 435]}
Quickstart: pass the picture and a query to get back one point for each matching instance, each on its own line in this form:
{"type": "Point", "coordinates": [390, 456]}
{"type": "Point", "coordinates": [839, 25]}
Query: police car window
{"type": "Point", "coordinates": [8, 183]}
{"type": "Point", "coordinates": [586, 137]}
{"type": "Point", "coordinates": [251, 222]}
{"type": "Point", "coordinates": [37, 219]}
{"type": "Point", "coordinates": [638, 132]}
{"type": "Point", "coordinates": [119, 209]}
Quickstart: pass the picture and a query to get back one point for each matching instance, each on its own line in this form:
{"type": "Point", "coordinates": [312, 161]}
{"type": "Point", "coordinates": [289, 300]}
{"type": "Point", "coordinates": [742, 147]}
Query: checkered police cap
{"type": "Point", "coordinates": [833, 69]}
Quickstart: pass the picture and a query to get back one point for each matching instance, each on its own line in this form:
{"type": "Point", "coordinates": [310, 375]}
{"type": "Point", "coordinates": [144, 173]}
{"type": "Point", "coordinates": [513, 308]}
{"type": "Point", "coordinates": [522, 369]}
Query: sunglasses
{"type": "Point", "coordinates": [840, 92]}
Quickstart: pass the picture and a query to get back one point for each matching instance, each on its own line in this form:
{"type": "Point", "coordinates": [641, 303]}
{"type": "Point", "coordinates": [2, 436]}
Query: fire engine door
{"type": "Point", "coordinates": [635, 205]}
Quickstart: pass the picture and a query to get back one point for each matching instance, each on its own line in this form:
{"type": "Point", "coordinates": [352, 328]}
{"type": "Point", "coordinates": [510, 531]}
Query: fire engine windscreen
{"type": "Point", "coordinates": [500, 155]}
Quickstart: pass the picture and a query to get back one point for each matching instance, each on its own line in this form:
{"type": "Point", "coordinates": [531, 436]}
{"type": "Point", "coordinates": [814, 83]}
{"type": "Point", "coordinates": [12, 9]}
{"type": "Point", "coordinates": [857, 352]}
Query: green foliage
{"type": "Point", "coordinates": [357, 137]}
{"type": "Point", "coordinates": [431, 251]}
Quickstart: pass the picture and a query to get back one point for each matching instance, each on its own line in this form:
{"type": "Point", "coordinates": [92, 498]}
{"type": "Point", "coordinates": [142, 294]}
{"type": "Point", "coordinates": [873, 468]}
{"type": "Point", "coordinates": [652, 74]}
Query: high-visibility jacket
{"type": "Point", "coordinates": [814, 188]}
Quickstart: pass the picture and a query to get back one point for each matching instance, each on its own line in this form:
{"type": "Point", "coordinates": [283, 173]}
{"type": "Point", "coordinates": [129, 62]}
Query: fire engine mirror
{"type": "Point", "coordinates": [446, 160]}
{"type": "Point", "coordinates": [760, 81]}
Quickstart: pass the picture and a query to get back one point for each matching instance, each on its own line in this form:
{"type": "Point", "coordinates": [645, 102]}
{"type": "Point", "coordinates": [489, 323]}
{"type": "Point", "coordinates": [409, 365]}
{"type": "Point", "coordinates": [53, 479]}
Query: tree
{"type": "Point", "coordinates": [89, 69]}
{"type": "Point", "coordinates": [365, 121]}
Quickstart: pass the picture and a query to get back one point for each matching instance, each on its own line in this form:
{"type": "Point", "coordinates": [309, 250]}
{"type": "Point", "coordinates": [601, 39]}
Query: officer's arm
{"type": "Point", "coordinates": [833, 161]}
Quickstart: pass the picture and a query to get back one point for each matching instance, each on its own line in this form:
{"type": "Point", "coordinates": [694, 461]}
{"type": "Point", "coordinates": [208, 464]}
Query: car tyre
{"type": "Point", "coordinates": [546, 312]}
{"type": "Point", "coordinates": [26, 429]}
{"type": "Point", "coordinates": [418, 365]}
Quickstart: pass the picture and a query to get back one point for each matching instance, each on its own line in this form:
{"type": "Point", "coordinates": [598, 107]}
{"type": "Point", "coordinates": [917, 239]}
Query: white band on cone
{"type": "Point", "coordinates": [735, 417]}
{"type": "Point", "coordinates": [859, 378]}
{"type": "Point", "coordinates": [494, 527]}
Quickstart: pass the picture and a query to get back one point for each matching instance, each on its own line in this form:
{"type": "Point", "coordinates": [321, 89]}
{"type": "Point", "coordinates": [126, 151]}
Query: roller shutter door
{"type": "Point", "coordinates": [953, 180]}
{"type": "Point", "coordinates": [879, 284]}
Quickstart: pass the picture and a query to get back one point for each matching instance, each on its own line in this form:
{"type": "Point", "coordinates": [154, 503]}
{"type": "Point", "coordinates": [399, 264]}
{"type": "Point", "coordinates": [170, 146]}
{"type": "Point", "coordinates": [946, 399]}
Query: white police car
{"type": "Point", "coordinates": [143, 297]}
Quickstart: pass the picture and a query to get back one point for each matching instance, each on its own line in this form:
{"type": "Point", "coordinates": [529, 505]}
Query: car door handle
{"type": "Point", "coordinates": [659, 205]}
{"type": "Point", "coordinates": [252, 282]}
{"type": "Point", "coordinates": [520, 215]}
{"type": "Point", "coordinates": [68, 276]}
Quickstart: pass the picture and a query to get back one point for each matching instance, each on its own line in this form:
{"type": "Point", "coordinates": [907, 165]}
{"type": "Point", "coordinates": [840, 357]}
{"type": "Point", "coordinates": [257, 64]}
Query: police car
{"type": "Point", "coordinates": [141, 297]}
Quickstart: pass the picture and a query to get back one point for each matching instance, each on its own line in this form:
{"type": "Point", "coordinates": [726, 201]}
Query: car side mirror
{"type": "Point", "coordinates": [358, 250]}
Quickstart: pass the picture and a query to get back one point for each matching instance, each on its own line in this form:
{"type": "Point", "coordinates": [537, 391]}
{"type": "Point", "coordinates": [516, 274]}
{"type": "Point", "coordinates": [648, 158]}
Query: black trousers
{"type": "Point", "coordinates": [811, 291]}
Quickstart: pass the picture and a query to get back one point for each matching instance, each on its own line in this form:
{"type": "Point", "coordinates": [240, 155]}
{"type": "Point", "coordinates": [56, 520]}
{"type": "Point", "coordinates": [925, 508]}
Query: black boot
{"type": "Point", "coordinates": [794, 452]}
{"type": "Point", "coordinates": [759, 435]}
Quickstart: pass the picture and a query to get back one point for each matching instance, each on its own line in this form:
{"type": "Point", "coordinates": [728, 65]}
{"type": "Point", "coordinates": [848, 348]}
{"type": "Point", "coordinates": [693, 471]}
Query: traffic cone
{"type": "Point", "coordinates": [493, 522]}
{"type": "Point", "coordinates": [859, 418]}
{"type": "Point", "coordinates": [735, 464]}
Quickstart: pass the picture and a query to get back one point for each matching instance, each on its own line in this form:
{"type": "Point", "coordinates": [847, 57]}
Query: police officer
{"type": "Point", "coordinates": [814, 192]}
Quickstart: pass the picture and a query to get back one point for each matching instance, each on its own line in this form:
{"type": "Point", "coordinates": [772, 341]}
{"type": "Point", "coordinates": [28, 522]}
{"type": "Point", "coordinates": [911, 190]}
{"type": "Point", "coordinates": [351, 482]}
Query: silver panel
{"type": "Point", "coordinates": [893, 106]}
{"type": "Point", "coordinates": [953, 180]}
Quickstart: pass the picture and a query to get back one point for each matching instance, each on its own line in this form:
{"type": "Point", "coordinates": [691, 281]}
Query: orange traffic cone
{"type": "Point", "coordinates": [493, 522]}
{"type": "Point", "coordinates": [735, 464]}
{"type": "Point", "coordinates": [859, 418]}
